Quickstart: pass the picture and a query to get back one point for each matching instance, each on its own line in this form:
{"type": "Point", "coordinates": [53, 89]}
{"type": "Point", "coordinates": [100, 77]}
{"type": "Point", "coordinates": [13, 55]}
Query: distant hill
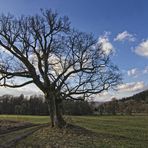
{"type": "Point", "coordinates": [142, 96]}
{"type": "Point", "coordinates": [137, 103]}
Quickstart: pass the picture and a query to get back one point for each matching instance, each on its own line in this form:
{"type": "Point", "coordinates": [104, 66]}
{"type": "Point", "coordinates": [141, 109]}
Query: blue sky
{"type": "Point", "coordinates": [120, 24]}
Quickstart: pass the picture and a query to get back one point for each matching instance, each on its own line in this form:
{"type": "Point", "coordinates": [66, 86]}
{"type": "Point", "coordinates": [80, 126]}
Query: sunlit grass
{"type": "Point", "coordinates": [109, 131]}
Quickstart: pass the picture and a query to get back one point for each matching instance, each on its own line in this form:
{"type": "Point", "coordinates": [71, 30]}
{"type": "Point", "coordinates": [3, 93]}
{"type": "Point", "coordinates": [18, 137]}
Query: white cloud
{"type": "Point", "coordinates": [29, 90]}
{"type": "Point", "coordinates": [4, 51]}
{"type": "Point", "coordinates": [145, 71]}
{"type": "Point", "coordinates": [131, 87]}
{"type": "Point", "coordinates": [125, 36]}
{"type": "Point", "coordinates": [26, 90]}
{"type": "Point", "coordinates": [104, 96]}
{"type": "Point", "coordinates": [136, 72]}
{"type": "Point", "coordinates": [106, 45]}
{"type": "Point", "coordinates": [133, 72]}
{"type": "Point", "coordinates": [142, 49]}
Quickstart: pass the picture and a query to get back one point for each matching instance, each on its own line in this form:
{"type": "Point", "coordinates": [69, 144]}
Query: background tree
{"type": "Point", "coordinates": [36, 105]}
{"type": "Point", "coordinates": [62, 62]}
{"type": "Point", "coordinates": [72, 107]}
{"type": "Point", "coordinates": [114, 106]}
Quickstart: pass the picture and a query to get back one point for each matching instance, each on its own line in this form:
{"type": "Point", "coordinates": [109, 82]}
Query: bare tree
{"type": "Point", "coordinates": [62, 62]}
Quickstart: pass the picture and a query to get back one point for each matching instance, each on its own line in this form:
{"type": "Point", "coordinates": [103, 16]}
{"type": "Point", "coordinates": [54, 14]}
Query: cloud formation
{"type": "Point", "coordinates": [145, 71]}
{"type": "Point", "coordinates": [106, 45]}
{"type": "Point", "coordinates": [125, 36]}
{"type": "Point", "coordinates": [26, 90]}
{"type": "Point", "coordinates": [133, 72]}
{"type": "Point", "coordinates": [131, 87]}
{"type": "Point", "coordinates": [105, 96]}
{"type": "Point", "coordinates": [142, 49]}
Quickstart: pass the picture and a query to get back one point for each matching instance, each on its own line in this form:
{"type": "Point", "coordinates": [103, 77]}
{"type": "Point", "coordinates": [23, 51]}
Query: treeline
{"type": "Point", "coordinates": [36, 105]}
{"type": "Point", "coordinates": [135, 104]}
{"type": "Point", "coordinates": [142, 96]}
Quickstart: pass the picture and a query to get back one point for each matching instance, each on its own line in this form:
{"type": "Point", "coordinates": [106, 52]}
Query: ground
{"type": "Point", "coordinates": [82, 131]}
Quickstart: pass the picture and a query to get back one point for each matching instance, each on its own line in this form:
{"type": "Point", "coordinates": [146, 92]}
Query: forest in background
{"type": "Point", "coordinates": [137, 103]}
{"type": "Point", "coordinates": [36, 105]}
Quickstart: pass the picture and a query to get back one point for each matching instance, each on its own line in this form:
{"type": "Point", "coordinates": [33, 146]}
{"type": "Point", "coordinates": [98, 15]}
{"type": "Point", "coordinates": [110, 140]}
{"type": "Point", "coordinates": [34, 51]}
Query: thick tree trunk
{"type": "Point", "coordinates": [51, 110]}
{"type": "Point", "coordinates": [59, 121]}
{"type": "Point", "coordinates": [55, 109]}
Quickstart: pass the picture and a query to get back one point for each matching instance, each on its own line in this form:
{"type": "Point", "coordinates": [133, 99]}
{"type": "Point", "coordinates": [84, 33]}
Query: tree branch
{"type": "Point", "coordinates": [16, 86]}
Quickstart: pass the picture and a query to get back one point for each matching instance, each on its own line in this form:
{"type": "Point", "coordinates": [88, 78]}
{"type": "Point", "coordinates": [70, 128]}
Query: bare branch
{"type": "Point", "coordinates": [59, 60]}
{"type": "Point", "coordinates": [16, 86]}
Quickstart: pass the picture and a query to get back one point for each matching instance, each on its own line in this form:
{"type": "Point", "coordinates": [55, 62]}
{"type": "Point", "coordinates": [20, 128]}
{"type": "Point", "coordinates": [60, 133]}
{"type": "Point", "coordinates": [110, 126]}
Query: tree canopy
{"type": "Point", "coordinates": [61, 61]}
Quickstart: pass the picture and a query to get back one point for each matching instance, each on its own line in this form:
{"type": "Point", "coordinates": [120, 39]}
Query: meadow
{"type": "Point", "coordinates": [89, 131]}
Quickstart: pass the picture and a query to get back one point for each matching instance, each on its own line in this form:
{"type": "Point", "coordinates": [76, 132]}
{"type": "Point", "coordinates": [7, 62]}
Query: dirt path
{"type": "Point", "coordinates": [2, 134]}
{"type": "Point", "coordinates": [13, 132]}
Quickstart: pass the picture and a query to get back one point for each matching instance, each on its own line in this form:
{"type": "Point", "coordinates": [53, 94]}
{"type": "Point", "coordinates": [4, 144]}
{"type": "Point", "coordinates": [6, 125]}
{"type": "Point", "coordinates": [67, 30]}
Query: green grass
{"type": "Point", "coordinates": [28, 118]}
{"type": "Point", "coordinates": [108, 131]}
{"type": "Point", "coordinates": [118, 131]}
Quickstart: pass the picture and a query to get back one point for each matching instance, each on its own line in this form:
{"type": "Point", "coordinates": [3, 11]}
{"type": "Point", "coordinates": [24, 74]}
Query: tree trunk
{"type": "Point", "coordinates": [59, 121]}
{"type": "Point", "coordinates": [50, 109]}
{"type": "Point", "coordinates": [55, 109]}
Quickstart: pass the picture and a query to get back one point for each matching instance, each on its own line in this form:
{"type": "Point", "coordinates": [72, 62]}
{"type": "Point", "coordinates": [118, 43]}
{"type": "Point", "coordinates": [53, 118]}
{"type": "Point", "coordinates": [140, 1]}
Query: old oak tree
{"type": "Point", "coordinates": [61, 61]}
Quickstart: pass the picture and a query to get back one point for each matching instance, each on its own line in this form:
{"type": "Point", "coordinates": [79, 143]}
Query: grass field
{"type": "Point", "coordinates": [96, 131]}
